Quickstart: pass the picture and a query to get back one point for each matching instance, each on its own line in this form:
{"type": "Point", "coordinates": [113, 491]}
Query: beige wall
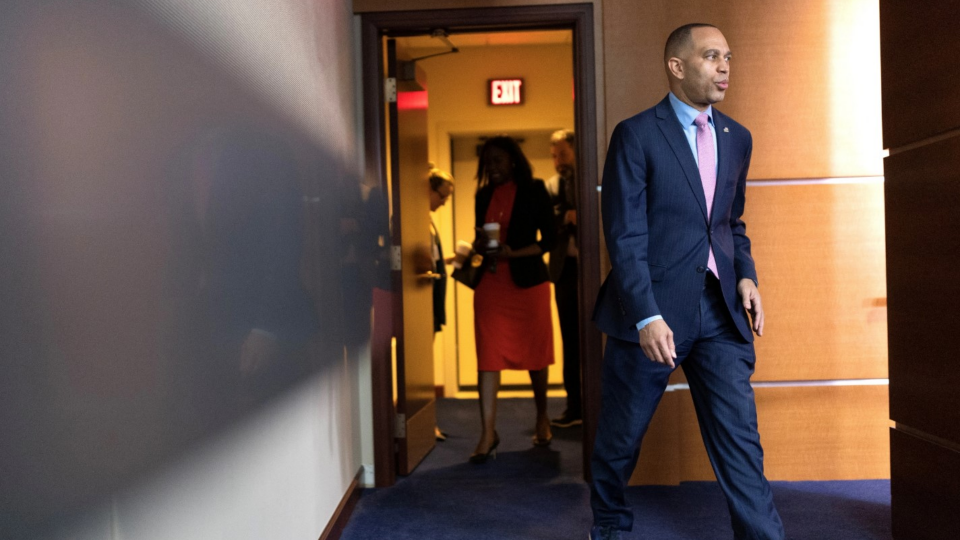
{"type": "Point", "coordinates": [457, 86]}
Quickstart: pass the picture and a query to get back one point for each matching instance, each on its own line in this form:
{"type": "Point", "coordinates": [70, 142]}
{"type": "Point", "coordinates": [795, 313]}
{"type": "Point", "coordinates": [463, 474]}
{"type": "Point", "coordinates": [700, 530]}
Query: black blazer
{"type": "Point", "coordinates": [532, 212]}
{"type": "Point", "coordinates": [439, 287]}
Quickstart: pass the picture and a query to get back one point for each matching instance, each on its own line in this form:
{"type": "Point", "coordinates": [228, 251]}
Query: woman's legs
{"type": "Point", "coordinates": [437, 432]}
{"type": "Point", "coordinates": [489, 382]}
{"type": "Point", "coordinates": [538, 380]}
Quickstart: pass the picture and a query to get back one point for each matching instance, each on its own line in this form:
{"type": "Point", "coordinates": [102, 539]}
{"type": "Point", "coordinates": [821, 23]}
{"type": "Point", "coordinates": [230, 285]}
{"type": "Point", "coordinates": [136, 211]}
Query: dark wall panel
{"type": "Point", "coordinates": [921, 117]}
{"type": "Point", "coordinates": [923, 277]}
{"type": "Point", "coordinates": [925, 489]}
{"type": "Point", "coordinates": [918, 49]}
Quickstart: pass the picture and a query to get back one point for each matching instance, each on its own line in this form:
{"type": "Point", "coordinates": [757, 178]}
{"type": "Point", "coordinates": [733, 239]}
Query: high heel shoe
{"type": "Point", "coordinates": [542, 441]}
{"type": "Point", "coordinates": [537, 441]}
{"type": "Point", "coordinates": [478, 458]}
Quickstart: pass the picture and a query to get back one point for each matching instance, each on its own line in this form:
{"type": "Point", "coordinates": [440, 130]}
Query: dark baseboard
{"type": "Point", "coordinates": [341, 516]}
{"type": "Point", "coordinates": [438, 391]}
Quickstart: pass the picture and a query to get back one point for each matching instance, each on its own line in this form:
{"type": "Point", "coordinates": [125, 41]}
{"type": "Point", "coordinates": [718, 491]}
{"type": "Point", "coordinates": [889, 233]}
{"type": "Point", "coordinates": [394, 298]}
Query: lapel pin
{"type": "Point", "coordinates": [726, 130]}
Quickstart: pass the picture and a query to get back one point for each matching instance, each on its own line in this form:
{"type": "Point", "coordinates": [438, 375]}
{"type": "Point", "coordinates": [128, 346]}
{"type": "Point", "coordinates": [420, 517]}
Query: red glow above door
{"type": "Point", "coordinates": [412, 100]}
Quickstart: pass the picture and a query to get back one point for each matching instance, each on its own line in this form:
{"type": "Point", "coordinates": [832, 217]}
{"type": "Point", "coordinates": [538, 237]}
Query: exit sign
{"type": "Point", "coordinates": [506, 91]}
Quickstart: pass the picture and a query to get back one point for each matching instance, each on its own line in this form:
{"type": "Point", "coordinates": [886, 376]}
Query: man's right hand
{"type": "Point", "coordinates": [656, 340]}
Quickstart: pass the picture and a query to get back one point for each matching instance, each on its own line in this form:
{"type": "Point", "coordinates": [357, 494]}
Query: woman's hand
{"type": "Point", "coordinates": [480, 242]}
{"type": "Point", "coordinates": [505, 252]}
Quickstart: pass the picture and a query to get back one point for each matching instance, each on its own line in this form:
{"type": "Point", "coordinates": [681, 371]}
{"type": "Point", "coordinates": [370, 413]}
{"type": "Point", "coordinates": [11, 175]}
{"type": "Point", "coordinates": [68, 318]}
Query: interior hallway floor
{"type": "Point", "coordinates": [539, 493]}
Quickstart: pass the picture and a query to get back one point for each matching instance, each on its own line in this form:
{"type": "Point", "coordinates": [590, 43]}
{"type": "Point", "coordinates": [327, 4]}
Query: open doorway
{"type": "Point", "coordinates": [414, 37]}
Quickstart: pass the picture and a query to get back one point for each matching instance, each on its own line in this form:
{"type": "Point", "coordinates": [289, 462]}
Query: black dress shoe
{"type": "Point", "coordinates": [604, 533]}
{"type": "Point", "coordinates": [479, 458]}
{"type": "Point", "coordinates": [567, 420]}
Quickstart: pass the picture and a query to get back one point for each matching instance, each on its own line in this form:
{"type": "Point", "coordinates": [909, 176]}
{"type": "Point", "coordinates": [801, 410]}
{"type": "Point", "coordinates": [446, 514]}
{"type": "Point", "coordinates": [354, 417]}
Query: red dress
{"type": "Point", "coordinates": [513, 326]}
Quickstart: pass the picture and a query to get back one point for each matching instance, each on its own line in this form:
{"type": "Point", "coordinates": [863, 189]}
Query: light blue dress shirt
{"type": "Point", "coordinates": [686, 115]}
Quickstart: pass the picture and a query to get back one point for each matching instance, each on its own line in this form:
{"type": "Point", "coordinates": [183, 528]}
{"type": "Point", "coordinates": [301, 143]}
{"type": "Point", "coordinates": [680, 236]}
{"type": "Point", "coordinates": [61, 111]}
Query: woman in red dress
{"type": "Point", "coordinates": [513, 326]}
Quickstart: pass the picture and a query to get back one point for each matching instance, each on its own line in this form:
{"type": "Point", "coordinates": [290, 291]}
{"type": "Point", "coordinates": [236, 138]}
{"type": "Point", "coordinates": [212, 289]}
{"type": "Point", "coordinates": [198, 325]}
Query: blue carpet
{"type": "Point", "coordinates": [538, 493]}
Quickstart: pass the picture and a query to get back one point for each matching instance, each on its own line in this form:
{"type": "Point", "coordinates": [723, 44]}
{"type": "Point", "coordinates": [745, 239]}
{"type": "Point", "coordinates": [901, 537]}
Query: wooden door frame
{"type": "Point", "coordinates": [575, 17]}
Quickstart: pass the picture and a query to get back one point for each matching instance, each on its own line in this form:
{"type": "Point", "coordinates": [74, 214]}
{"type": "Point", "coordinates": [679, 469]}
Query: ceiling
{"type": "Point", "coordinates": [534, 37]}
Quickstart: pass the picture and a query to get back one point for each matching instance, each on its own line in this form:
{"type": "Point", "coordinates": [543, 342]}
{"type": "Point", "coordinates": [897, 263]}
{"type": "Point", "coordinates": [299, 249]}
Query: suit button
{"type": "Point", "coordinates": [701, 269]}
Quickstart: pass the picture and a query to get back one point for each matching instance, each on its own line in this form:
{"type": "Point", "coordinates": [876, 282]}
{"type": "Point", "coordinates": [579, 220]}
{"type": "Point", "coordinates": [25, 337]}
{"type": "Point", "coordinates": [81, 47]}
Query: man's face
{"type": "Point", "coordinates": [440, 196]}
{"type": "Point", "coordinates": [564, 160]}
{"type": "Point", "coordinates": [705, 69]}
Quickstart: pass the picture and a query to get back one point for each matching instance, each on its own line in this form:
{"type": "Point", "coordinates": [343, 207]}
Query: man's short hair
{"type": "Point", "coordinates": [563, 135]}
{"type": "Point", "coordinates": [681, 38]}
{"type": "Point", "coordinates": [439, 178]}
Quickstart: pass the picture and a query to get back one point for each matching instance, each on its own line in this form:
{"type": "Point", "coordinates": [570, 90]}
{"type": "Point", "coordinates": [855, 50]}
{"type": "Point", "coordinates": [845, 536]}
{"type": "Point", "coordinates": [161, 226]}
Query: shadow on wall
{"type": "Point", "coordinates": [174, 252]}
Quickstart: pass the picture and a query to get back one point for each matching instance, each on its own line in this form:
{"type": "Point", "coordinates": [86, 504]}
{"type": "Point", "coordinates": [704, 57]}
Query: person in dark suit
{"type": "Point", "coordinates": [237, 317]}
{"type": "Point", "coordinates": [511, 303]}
{"type": "Point", "coordinates": [563, 270]}
{"type": "Point", "coordinates": [441, 189]}
{"type": "Point", "coordinates": [682, 283]}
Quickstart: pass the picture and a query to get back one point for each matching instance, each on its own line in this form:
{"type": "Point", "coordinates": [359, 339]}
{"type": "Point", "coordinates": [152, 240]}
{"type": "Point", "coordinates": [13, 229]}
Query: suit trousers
{"type": "Point", "coordinates": [718, 364]}
{"type": "Point", "coordinates": [568, 311]}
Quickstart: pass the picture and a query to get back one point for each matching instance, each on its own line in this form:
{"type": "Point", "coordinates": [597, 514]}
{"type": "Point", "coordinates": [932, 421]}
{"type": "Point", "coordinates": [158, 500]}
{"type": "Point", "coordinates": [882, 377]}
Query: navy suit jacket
{"type": "Point", "coordinates": [655, 221]}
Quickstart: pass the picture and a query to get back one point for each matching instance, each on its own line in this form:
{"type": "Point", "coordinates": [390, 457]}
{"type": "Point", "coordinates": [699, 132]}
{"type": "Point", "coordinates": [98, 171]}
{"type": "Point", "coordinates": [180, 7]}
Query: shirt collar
{"type": "Point", "coordinates": [687, 114]}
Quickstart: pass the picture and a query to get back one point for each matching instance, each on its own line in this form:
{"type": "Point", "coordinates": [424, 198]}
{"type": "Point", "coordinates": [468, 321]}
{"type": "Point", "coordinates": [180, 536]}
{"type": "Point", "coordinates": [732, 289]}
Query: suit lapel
{"type": "Point", "coordinates": [673, 133]}
{"type": "Point", "coordinates": [723, 158]}
{"type": "Point", "coordinates": [516, 216]}
{"type": "Point", "coordinates": [483, 203]}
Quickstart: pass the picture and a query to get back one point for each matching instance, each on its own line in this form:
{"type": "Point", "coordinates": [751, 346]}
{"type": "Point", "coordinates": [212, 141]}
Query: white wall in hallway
{"type": "Point", "coordinates": [287, 67]}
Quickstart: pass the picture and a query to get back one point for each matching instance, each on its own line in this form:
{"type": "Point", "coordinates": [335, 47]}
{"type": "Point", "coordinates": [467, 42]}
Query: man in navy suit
{"type": "Point", "coordinates": [681, 286]}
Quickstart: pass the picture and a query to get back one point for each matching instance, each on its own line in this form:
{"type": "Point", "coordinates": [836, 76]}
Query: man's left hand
{"type": "Point", "coordinates": [751, 302]}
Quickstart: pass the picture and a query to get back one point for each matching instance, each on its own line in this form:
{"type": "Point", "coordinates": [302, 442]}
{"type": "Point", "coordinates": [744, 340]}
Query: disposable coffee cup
{"type": "Point", "coordinates": [462, 252]}
{"type": "Point", "coordinates": [492, 230]}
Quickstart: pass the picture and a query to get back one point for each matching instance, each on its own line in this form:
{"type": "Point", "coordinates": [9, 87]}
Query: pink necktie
{"type": "Point", "coordinates": [708, 173]}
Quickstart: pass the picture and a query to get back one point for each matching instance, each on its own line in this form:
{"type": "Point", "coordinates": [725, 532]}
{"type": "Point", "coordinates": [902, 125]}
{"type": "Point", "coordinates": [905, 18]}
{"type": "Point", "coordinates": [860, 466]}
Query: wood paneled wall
{"type": "Point", "coordinates": [793, 423]}
{"type": "Point", "coordinates": [820, 259]}
{"type": "Point", "coordinates": [923, 217]}
{"type": "Point", "coordinates": [806, 82]}
{"type": "Point", "coordinates": [805, 77]}
{"type": "Point", "coordinates": [921, 127]}
{"type": "Point", "coordinates": [814, 214]}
